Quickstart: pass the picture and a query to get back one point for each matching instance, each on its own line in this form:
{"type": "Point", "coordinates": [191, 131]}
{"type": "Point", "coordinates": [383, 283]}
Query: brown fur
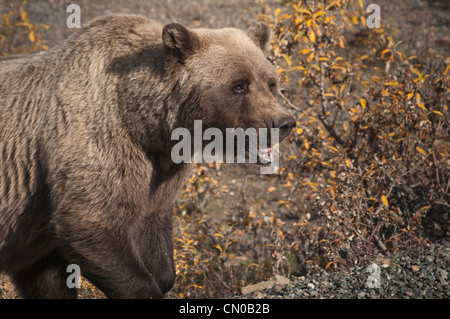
{"type": "Point", "coordinates": [85, 170]}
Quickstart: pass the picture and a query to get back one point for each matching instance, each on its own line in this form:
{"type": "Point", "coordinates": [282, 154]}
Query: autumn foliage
{"type": "Point", "coordinates": [17, 34]}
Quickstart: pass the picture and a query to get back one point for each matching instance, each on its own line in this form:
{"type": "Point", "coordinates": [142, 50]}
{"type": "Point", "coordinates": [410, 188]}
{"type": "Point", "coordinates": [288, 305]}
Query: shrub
{"type": "Point", "coordinates": [17, 33]}
{"type": "Point", "coordinates": [366, 172]}
{"type": "Point", "coordinates": [371, 148]}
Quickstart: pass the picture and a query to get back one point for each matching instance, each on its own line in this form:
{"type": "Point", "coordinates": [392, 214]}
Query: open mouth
{"type": "Point", "coordinates": [263, 155]}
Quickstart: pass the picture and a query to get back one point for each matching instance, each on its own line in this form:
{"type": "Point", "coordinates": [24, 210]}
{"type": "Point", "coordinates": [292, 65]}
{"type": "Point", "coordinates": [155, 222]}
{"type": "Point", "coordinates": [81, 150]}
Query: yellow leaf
{"type": "Point", "coordinates": [305, 141]}
{"type": "Point", "coordinates": [310, 57]}
{"type": "Point", "coordinates": [348, 162]}
{"type": "Point", "coordinates": [331, 5]}
{"type": "Point", "coordinates": [24, 15]}
{"type": "Point", "coordinates": [287, 58]}
{"type": "Point", "coordinates": [288, 183]}
{"type": "Point", "coordinates": [5, 17]}
{"type": "Point", "coordinates": [363, 102]}
{"type": "Point", "coordinates": [318, 14]}
{"type": "Point", "coordinates": [417, 72]}
{"type": "Point", "coordinates": [342, 88]}
{"type": "Point", "coordinates": [219, 248]}
{"type": "Point", "coordinates": [344, 125]}
{"type": "Point", "coordinates": [384, 200]}
{"type": "Point", "coordinates": [420, 150]}
{"type": "Point", "coordinates": [328, 265]}
{"type": "Point", "coordinates": [338, 67]}
{"type": "Point", "coordinates": [421, 105]}
{"type": "Point", "coordinates": [437, 112]}
{"type": "Point", "coordinates": [304, 51]}
{"type": "Point", "coordinates": [271, 189]}
{"type": "Point", "coordinates": [31, 36]}
{"type": "Point", "coordinates": [326, 164]}
{"type": "Point", "coordinates": [333, 148]}
{"type": "Point", "coordinates": [276, 50]}
{"type": "Point", "coordinates": [277, 12]}
{"type": "Point", "coordinates": [298, 68]}
{"type": "Point", "coordinates": [410, 95]}
{"type": "Point", "coordinates": [361, 4]}
{"type": "Point", "coordinates": [303, 10]}
{"type": "Point", "coordinates": [447, 69]}
{"type": "Point", "coordinates": [291, 158]}
{"type": "Point", "coordinates": [284, 16]}
{"type": "Point", "coordinates": [312, 36]}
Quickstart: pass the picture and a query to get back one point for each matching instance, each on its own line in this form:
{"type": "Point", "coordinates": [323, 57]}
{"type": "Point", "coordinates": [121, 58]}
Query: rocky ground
{"type": "Point", "coordinates": [401, 277]}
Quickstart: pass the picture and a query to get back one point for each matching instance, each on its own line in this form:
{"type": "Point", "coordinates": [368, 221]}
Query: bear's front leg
{"type": "Point", "coordinates": [156, 247]}
{"type": "Point", "coordinates": [111, 255]}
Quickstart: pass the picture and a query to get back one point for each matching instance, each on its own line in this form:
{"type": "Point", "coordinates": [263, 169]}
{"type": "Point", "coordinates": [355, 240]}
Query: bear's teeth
{"type": "Point", "coordinates": [265, 154]}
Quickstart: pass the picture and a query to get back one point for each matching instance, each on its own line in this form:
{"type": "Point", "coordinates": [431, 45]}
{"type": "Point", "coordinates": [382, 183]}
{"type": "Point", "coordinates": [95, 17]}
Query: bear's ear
{"type": "Point", "coordinates": [261, 34]}
{"type": "Point", "coordinates": [180, 41]}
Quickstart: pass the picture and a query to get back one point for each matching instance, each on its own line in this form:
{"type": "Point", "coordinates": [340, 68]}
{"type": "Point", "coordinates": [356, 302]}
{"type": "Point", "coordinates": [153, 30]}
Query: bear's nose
{"type": "Point", "coordinates": [285, 124]}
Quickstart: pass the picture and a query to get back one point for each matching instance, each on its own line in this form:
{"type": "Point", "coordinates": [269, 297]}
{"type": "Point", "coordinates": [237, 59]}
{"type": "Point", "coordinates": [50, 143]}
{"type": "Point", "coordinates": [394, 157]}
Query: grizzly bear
{"type": "Point", "coordinates": [86, 175]}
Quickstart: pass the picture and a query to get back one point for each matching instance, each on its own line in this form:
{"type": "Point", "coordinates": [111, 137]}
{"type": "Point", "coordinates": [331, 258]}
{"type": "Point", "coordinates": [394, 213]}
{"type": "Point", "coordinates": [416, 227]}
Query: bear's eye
{"type": "Point", "coordinates": [240, 88]}
{"type": "Point", "coordinates": [272, 86]}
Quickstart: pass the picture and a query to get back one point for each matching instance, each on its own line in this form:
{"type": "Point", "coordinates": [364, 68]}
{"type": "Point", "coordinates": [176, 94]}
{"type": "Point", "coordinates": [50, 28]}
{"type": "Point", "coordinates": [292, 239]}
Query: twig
{"type": "Point", "coordinates": [380, 243]}
{"type": "Point", "coordinates": [289, 103]}
{"type": "Point", "coordinates": [441, 203]}
{"type": "Point", "coordinates": [242, 193]}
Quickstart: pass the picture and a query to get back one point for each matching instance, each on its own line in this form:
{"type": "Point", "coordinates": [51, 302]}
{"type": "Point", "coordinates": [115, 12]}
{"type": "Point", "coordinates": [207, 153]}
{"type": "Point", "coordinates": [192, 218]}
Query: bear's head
{"type": "Point", "coordinates": [230, 80]}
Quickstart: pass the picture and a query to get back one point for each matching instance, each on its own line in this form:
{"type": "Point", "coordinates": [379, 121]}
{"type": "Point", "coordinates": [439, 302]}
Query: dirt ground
{"type": "Point", "coordinates": [202, 13]}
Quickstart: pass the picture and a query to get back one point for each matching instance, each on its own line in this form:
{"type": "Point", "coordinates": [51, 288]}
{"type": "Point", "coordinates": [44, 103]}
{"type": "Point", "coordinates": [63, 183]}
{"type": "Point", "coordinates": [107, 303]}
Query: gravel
{"type": "Point", "coordinates": [402, 277]}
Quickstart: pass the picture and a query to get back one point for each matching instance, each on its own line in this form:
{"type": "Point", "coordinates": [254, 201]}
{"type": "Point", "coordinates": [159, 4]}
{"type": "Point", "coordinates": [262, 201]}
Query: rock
{"type": "Point", "coordinates": [257, 295]}
{"type": "Point", "coordinates": [278, 280]}
{"type": "Point", "coordinates": [281, 280]}
{"type": "Point", "coordinates": [277, 288]}
{"type": "Point", "coordinates": [258, 287]}
{"type": "Point", "coordinates": [443, 273]}
{"type": "Point", "coordinates": [384, 262]}
{"type": "Point", "coordinates": [311, 286]}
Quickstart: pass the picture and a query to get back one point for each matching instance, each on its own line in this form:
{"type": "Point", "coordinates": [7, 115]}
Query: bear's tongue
{"type": "Point", "coordinates": [265, 154]}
